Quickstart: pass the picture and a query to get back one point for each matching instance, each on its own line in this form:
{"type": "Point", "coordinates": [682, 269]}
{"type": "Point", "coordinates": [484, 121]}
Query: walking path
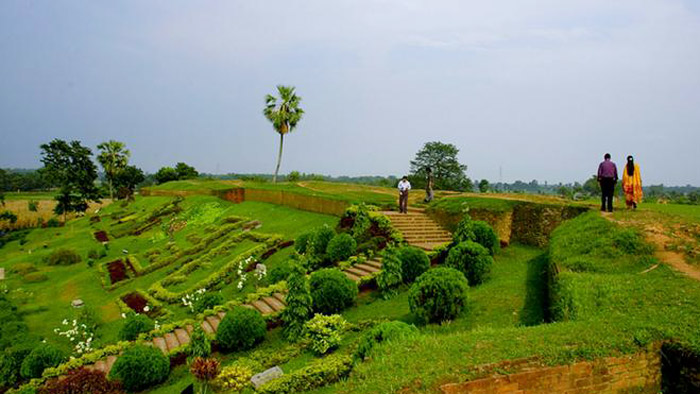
{"type": "Point", "coordinates": [419, 229]}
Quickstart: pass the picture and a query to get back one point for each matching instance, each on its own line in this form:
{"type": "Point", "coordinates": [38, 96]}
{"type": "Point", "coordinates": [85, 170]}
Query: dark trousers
{"type": "Point", "coordinates": [607, 186]}
{"type": "Point", "coordinates": [403, 201]}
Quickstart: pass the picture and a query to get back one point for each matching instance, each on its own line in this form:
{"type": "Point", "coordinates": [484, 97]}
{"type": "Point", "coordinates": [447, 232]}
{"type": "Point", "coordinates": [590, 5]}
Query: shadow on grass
{"type": "Point", "coordinates": [534, 310]}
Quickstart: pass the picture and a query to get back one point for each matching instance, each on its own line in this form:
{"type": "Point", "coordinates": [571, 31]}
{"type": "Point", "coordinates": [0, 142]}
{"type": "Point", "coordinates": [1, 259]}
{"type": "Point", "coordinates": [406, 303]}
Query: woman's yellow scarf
{"type": "Point", "coordinates": [632, 184]}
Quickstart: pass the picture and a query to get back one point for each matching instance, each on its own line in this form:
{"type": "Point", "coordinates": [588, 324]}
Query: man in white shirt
{"type": "Point", "coordinates": [404, 187]}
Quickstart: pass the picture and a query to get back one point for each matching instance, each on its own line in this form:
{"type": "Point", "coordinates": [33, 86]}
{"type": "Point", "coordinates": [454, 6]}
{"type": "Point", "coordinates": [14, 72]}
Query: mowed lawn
{"type": "Point", "coordinates": [45, 304]}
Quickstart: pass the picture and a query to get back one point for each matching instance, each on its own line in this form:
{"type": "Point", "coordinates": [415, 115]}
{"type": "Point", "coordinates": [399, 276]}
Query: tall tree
{"type": "Point", "coordinates": [69, 166]}
{"type": "Point", "coordinates": [448, 173]}
{"type": "Point", "coordinates": [113, 157]}
{"type": "Point", "coordinates": [484, 185]}
{"type": "Point", "coordinates": [126, 180]}
{"type": "Point", "coordinates": [284, 113]}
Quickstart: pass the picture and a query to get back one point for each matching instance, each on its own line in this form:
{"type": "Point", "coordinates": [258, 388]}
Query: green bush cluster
{"type": "Point", "coordinates": [135, 324]}
{"type": "Point", "coordinates": [325, 332]}
{"type": "Point", "coordinates": [299, 304]}
{"type": "Point", "coordinates": [439, 295]}
{"type": "Point", "coordinates": [472, 259]}
{"type": "Point", "coordinates": [140, 367]}
{"type": "Point", "coordinates": [63, 257]}
{"type": "Point", "coordinates": [241, 329]}
{"type": "Point", "coordinates": [389, 278]}
{"type": "Point", "coordinates": [320, 240]}
{"type": "Point", "coordinates": [200, 345]}
{"type": "Point", "coordinates": [477, 231]}
{"type": "Point", "coordinates": [301, 244]}
{"type": "Point", "coordinates": [383, 332]}
{"type": "Point", "coordinates": [233, 379]}
{"type": "Point", "coordinates": [207, 301]}
{"type": "Point", "coordinates": [281, 271]}
{"type": "Point", "coordinates": [331, 291]}
{"type": "Point", "coordinates": [414, 262]}
{"type": "Point", "coordinates": [41, 357]}
{"type": "Point", "coordinates": [320, 373]}
{"type": "Point", "coordinates": [341, 247]}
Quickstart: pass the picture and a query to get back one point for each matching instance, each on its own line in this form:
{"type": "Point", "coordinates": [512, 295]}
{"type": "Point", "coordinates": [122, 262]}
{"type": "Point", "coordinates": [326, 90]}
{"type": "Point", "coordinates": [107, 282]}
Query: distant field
{"type": "Point", "coordinates": [44, 212]}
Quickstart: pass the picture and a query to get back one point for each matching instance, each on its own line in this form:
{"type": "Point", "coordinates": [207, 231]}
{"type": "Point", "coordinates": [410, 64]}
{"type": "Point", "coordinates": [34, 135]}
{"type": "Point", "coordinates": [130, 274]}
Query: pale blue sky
{"type": "Point", "coordinates": [541, 88]}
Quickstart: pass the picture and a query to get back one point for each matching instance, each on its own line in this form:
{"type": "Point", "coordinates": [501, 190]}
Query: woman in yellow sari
{"type": "Point", "coordinates": [632, 183]}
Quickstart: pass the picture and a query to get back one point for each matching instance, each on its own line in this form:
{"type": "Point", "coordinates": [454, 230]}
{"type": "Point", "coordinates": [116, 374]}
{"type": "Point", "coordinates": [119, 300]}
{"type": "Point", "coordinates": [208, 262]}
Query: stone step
{"type": "Point", "coordinates": [221, 315]}
{"type": "Point", "coordinates": [207, 327]}
{"type": "Point", "coordinates": [274, 303]}
{"type": "Point", "coordinates": [374, 263]}
{"type": "Point", "coordinates": [182, 336]}
{"type": "Point", "coordinates": [367, 267]}
{"type": "Point", "coordinates": [280, 297]}
{"type": "Point", "coordinates": [213, 321]}
{"type": "Point", "coordinates": [422, 240]}
{"type": "Point", "coordinates": [110, 363]}
{"type": "Point", "coordinates": [409, 233]}
{"type": "Point", "coordinates": [428, 246]}
{"type": "Point", "coordinates": [159, 342]}
{"type": "Point", "coordinates": [353, 277]}
{"type": "Point", "coordinates": [358, 272]}
{"type": "Point", "coordinates": [101, 365]}
{"type": "Point", "coordinates": [189, 328]}
{"type": "Point", "coordinates": [171, 341]}
{"type": "Point", "coordinates": [262, 307]}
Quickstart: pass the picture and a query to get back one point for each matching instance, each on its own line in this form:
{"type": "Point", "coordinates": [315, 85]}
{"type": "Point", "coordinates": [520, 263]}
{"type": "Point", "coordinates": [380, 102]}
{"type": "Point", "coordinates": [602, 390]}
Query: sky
{"type": "Point", "coordinates": [525, 89]}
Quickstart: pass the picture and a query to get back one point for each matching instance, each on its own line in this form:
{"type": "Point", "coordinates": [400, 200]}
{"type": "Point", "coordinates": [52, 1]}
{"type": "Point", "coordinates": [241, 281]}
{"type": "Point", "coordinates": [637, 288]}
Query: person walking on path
{"type": "Point", "coordinates": [429, 183]}
{"type": "Point", "coordinates": [404, 187]}
{"type": "Point", "coordinates": [632, 184]}
{"type": "Point", "coordinates": [607, 177]}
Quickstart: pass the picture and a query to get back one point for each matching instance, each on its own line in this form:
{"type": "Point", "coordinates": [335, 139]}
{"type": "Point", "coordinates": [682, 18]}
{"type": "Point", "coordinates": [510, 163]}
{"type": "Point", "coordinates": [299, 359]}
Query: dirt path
{"type": "Point", "coordinates": [655, 234]}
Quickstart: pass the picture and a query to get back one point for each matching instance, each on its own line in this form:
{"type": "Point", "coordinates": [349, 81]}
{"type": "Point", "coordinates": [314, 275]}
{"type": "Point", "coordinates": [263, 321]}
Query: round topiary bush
{"type": "Point", "coordinates": [319, 241]}
{"type": "Point", "coordinates": [464, 231]}
{"type": "Point", "coordinates": [341, 247]}
{"type": "Point", "coordinates": [41, 357]}
{"type": "Point", "coordinates": [485, 236]}
{"type": "Point", "coordinates": [301, 244]}
{"type": "Point", "coordinates": [241, 329]}
{"type": "Point", "coordinates": [135, 325]}
{"type": "Point", "coordinates": [472, 259]}
{"type": "Point", "coordinates": [414, 262]}
{"type": "Point", "coordinates": [383, 332]}
{"type": "Point", "coordinates": [63, 257]}
{"type": "Point", "coordinates": [140, 367]}
{"type": "Point", "coordinates": [280, 272]}
{"type": "Point", "coordinates": [331, 291]}
{"type": "Point", "coordinates": [207, 301]}
{"type": "Point", "coordinates": [438, 295]}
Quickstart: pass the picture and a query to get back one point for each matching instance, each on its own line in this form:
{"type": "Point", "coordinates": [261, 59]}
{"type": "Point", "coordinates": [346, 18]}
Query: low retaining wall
{"type": "Point", "coordinates": [638, 373]}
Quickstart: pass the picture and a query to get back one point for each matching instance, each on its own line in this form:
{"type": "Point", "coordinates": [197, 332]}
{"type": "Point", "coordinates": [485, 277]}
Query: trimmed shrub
{"type": "Point", "coordinates": [42, 357]}
{"type": "Point", "coordinates": [301, 244]}
{"type": "Point", "coordinates": [81, 381]}
{"type": "Point", "coordinates": [53, 222]}
{"type": "Point", "coordinates": [134, 325]}
{"type": "Point", "coordinates": [10, 366]}
{"type": "Point", "coordinates": [319, 241]}
{"type": "Point", "coordinates": [389, 278]}
{"type": "Point", "coordinates": [140, 367]}
{"type": "Point", "coordinates": [485, 236]}
{"type": "Point", "coordinates": [341, 247]}
{"type": "Point", "coordinates": [331, 291]}
{"type": "Point", "coordinates": [464, 231]}
{"type": "Point", "coordinates": [325, 332]}
{"type": "Point", "coordinates": [298, 302]}
{"type": "Point", "coordinates": [241, 329]}
{"type": "Point", "coordinates": [63, 257]}
{"type": "Point", "coordinates": [438, 295]}
{"type": "Point", "coordinates": [207, 301]}
{"type": "Point", "coordinates": [383, 332]}
{"type": "Point", "coordinates": [280, 272]}
{"type": "Point", "coordinates": [233, 379]}
{"type": "Point", "coordinates": [23, 268]}
{"type": "Point", "coordinates": [35, 277]}
{"type": "Point", "coordinates": [414, 262]}
{"type": "Point", "coordinates": [472, 259]}
{"type": "Point", "coordinates": [320, 373]}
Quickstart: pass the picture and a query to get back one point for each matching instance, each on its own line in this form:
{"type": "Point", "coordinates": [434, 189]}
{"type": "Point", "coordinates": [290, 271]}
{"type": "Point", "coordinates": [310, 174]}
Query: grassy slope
{"type": "Point", "coordinates": [47, 303]}
{"type": "Point", "coordinates": [637, 309]}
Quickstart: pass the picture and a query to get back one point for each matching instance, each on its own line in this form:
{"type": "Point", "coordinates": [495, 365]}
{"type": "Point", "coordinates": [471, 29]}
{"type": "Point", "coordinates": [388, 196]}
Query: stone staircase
{"type": "Point", "coordinates": [418, 229]}
{"type": "Point", "coordinates": [363, 270]}
{"type": "Point", "coordinates": [181, 336]}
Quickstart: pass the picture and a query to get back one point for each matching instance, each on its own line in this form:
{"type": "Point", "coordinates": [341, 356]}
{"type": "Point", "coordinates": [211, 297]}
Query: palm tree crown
{"type": "Point", "coordinates": [284, 113]}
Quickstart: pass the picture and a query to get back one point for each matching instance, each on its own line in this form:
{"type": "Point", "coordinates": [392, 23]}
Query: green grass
{"type": "Point", "coordinates": [457, 205]}
{"type": "Point", "coordinates": [37, 196]}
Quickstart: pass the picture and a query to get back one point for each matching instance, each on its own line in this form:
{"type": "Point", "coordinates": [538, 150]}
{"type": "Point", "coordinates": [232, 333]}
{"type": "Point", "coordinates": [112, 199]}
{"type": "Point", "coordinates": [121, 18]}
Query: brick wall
{"type": "Point", "coordinates": [638, 373]}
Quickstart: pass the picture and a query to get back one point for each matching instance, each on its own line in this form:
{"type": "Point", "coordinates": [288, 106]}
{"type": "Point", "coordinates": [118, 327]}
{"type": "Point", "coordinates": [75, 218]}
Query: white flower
{"type": "Point", "coordinates": [146, 308]}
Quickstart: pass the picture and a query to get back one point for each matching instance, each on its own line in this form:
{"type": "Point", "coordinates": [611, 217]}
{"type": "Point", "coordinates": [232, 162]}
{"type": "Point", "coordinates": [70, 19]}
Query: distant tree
{"type": "Point", "coordinates": [9, 216]}
{"type": "Point", "coordinates": [566, 192]}
{"type": "Point", "coordinates": [591, 186]}
{"type": "Point", "coordinates": [293, 176]}
{"type": "Point", "coordinates": [484, 186]}
{"type": "Point", "coordinates": [448, 173]}
{"type": "Point", "coordinates": [284, 113]}
{"type": "Point", "coordinates": [185, 171]}
{"type": "Point", "coordinates": [70, 166]}
{"type": "Point", "coordinates": [114, 158]}
{"type": "Point", "coordinates": [3, 181]}
{"type": "Point", "coordinates": [126, 180]}
{"type": "Point", "coordinates": [166, 174]}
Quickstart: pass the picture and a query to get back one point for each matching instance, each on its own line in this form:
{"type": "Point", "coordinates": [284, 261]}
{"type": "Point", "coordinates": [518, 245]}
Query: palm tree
{"type": "Point", "coordinates": [284, 113]}
{"type": "Point", "coordinates": [113, 158]}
